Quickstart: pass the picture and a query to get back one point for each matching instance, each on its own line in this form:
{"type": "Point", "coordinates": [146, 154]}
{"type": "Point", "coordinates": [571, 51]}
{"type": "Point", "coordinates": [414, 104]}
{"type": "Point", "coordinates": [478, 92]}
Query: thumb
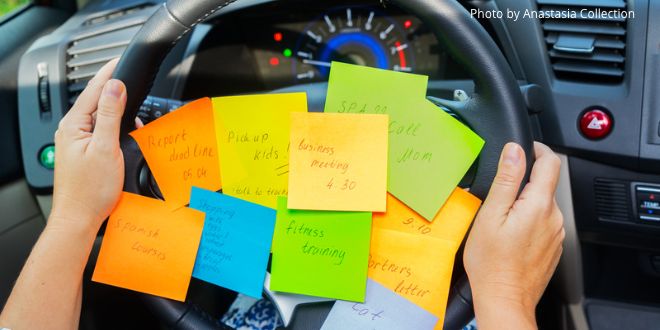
{"type": "Point", "coordinates": [510, 172]}
{"type": "Point", "coordinates": [110, 111]}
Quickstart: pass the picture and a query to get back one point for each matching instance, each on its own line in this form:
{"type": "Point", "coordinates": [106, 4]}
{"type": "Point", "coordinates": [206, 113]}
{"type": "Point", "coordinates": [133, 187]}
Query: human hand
{"type": "Point", "coordinates": [516, 242]}
{"type": "Point", "coordinates": [89, 164]}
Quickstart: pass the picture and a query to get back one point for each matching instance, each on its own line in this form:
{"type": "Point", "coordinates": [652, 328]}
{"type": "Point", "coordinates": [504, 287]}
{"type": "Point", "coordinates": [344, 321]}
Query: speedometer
{"type": "Point", "coordinates": [356, 35]}
{"type": "Point", "coordinates": [276, 46]}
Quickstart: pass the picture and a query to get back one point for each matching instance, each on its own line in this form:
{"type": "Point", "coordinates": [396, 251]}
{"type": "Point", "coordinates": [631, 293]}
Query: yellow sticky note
{"type": "Point", "coordinates": [150, 248]}
{"type": "Point", "coordinates": [416, 267]}
{"type": "Point", "coordinates": [181, 151]}
{"type": "Point", "coordinates": [451, 223]}
{"type": "Point", "coordinates": [338, 162]}
{"type": "Point", "coordinates": [253, 137]}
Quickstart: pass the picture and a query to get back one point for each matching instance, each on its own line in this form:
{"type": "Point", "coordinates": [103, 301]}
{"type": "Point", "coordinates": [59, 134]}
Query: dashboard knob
{"type": "Point", "coordinates": [596, 124]}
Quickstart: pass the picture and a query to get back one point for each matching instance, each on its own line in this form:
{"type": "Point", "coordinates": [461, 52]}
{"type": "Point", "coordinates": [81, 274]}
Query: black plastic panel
{"type": "Point", "coordinates": [19, 240]}
{"type": "Point", "coordinates": [570, 98]}
{"type": "Point", "coordinates": [37, 127]}
{"type": "Point", "coordinates": [606, 315]}
{"type": "Point", "coordinates": [650, 147]}
{"type": "Point", "coordinates": [17, 34]}
{"type": "Point", "coordinates": [620, 274]}
{"type": "Point", "coordinates": [605, 210]}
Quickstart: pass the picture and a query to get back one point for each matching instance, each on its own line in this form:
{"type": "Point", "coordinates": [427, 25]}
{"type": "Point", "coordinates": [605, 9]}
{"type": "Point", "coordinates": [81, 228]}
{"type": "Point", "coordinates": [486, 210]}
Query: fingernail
{"type": "Point", "coordinates": [512, 154]}
{"type": "Point", "coordinates": [113, 88]}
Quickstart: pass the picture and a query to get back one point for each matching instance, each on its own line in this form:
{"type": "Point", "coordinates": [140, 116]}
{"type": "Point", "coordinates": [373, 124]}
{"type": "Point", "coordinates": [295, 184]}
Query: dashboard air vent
{"type": "Point", "coordinates": [613, 201]}
{"type": "Point", "coordinates": [586, 39]}
{"type": "Point", "coordinates": [99, 40]}
{"type": "Point", "coordinates": [117, 13]}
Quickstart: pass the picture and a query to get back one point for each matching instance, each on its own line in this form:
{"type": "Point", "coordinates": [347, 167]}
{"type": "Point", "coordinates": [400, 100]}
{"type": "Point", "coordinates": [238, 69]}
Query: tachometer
{"type": "Point", "coordinates": [356, 35]}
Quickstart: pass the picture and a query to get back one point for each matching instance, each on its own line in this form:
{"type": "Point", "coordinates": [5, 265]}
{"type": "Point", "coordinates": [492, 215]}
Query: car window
{"type": "Point", "coordinates": [7, 6]}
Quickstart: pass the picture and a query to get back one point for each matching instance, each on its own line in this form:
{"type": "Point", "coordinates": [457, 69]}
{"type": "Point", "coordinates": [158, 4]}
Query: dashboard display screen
{"type": "Point", "coordinates": [364, 35]}
{"type": "Point", "coordinates": [291, 43]}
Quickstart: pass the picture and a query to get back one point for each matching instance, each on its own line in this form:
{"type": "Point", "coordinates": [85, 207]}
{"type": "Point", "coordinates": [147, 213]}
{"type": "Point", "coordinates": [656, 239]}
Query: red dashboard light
{"type": "Point", "coordinates": [274, 61]}
{"type": "Point", "coordinates": [278, 36]}
{"type": "Point", "coordinates": [407, 24]}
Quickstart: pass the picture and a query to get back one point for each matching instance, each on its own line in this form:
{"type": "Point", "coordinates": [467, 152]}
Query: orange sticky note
{"type": "Point", "coordinates": [416, 267]}
{"type": "Point", "coordinates": [181, 151]}
{"type": "Point", "coordinates": [451, 223]}
{"type": "Point", "coordinates": [338, 162]}
{"type": "Point", "coordinates": [150, 248]}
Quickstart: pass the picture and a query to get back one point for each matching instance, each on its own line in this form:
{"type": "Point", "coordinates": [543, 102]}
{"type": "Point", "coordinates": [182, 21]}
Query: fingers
{"type": "Point", "coordinates": [110, 111]}
{"type": "Point", "coordinates": [88, 99]}
{"type": "Point", "coordinates": [545, 173]}
{"type": "Point", "coordinates": [138, 123]}
{"type": "Point", "coordinates": [510, 172]}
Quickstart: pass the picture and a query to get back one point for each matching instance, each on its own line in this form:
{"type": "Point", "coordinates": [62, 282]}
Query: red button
{"type": "Point", "coordinates": [596, 124]}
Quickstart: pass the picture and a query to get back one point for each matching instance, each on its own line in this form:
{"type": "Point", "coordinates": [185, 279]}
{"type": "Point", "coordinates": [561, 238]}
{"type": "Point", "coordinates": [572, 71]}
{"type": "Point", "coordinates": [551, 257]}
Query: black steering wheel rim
{"type": "Point", "coordinates": [496, 111]}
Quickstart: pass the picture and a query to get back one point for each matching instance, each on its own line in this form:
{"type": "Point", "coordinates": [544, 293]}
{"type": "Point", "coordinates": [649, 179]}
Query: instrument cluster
{"type": "Point", "coordinates": [292, 43]}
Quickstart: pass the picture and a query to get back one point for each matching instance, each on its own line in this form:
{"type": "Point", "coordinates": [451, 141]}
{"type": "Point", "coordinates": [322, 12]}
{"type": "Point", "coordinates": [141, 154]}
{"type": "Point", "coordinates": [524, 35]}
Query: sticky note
{"type": "Point", "coordinates": [236, 241]}
{"type": "Point", "coordinates": [361, 89]}
{"type": "Point", "coordinates": [382, 310]}
{"type": "Point", "coordinates": [429, 150]}
{"type": "Point", "coordinates": [338, 162]}
{"type": "Point", "coordinates": [320, 253]}
{"type": "Point", "coordinates": [451, 223]}
{"type": "Point", "coordinates": [148, 247]}
{"type": "Point", "coordinates": [253, 137]}
{"type": "Point", "coordinates": [181, 151]}
{"type": "Point", "coordinates": [416, 267]}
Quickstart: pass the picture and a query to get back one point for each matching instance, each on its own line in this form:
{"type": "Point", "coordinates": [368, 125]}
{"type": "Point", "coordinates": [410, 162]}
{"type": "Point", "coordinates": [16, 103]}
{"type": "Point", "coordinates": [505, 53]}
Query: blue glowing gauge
{"type": "Point", "coordinates": [356, 35]}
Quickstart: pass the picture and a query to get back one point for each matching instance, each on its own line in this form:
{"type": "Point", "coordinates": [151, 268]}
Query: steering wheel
{"type": "Point", "coordinates": [496, 112]}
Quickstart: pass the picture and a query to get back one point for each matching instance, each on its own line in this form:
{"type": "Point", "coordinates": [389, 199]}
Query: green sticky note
{"type": "Point", "coordinates": [429, 150]}
{"type": "Point", "coordinates": [321, 253]}
{"type": "Point", "coordinates": [361, 89]}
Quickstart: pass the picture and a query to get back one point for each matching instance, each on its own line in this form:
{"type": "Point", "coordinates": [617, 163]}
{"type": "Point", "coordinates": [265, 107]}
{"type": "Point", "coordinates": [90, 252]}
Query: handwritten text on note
{"type": "Point", "coordinates": [320, 253]}
{"type": "Point", "coordinates": [382, 310]}
{"type": "Point", "coordinates": [235, 242]}
{"type": "Point", "coordinates": [253, 136]}
{"type": "Point", "coordinates": [429, 150]}
{"type": "Point", "coordinates": [338, 162]}
{"type": "Point", "coordinates": [181, 151]}
{"type": "Point", "coordinates": [149, 248]}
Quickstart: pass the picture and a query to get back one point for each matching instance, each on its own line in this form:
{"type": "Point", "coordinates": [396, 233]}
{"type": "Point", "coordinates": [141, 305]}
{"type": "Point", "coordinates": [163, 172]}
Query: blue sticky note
{"type": "Point", "coordinates": [382, 310]}
{"type": "Point", "coordinates": [236, 241]}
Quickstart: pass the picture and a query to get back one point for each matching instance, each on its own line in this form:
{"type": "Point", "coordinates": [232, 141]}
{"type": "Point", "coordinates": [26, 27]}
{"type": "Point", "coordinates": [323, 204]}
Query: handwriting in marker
{"type": "Point", "coordinates": [450, 224]}
{"type": "Point", "coordinates": [282, 170]}
{"type": "Point", "coordinates": [181, 151]}
{"type": "Point", "coordinates": [382, 310]}
{"type": "Point", "coordinates": [342, 172]}
{"type": "Point", "coordinates": [236, 242]}
{"type": "Point", "coordinates": [253, 134]}
{"type": "Point", "coordinates": [148, 247]}
{"type": "Point", "coordinates": [429, 150]}
{"type": "Point", "coordinates": [320, 253]}
{"type": "Point", "coordinates": [415, 266]}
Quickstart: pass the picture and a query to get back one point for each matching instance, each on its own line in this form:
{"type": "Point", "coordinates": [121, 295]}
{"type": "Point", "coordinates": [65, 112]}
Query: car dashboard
{"type": "Point", "coordinates": [568, 69]}
{"type": "Point", "coordinates": [251, 46]}
{"type": "Point", "coordinates": [263, 49]}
